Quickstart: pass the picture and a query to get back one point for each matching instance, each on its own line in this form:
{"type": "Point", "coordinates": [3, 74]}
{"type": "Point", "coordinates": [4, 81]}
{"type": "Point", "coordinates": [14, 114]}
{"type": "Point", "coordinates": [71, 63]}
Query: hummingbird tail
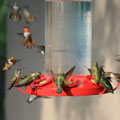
{"type": "Point", "coordinates": [9, 87]}
{"type": "Point", "coordinates": [4, 69]}
{"type": "Point", "coordinates": [30, 19]}
{"type": "Point", "coordinates": [28, 44]}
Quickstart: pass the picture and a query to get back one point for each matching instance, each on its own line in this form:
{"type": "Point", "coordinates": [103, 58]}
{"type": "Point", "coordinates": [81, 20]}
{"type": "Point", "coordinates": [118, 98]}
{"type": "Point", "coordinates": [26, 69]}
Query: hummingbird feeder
{"type": "Point", "coordinates": [68, 41]}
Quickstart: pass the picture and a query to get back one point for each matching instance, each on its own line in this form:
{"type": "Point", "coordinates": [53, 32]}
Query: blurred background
{"type": "Point", "coordinates": [105, 45]}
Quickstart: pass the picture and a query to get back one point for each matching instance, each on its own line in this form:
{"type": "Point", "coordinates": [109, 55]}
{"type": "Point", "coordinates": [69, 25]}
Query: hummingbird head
{"type": "Point", "coordinates": [15, 4]}
{"type": "Point", "coordinates": [13, 59]}
{"type": "Point", "coordinates": [26, 29]}
{"type": "Point", "coordinates": [62, 74]}
{"type": "Point", "coordinates": [95, 63]}
{"type": "Point", "coordinates": [59, 91]}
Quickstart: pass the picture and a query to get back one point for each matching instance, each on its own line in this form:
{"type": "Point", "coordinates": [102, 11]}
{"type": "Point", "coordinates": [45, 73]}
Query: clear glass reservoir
{"type": "Point", "coordinates": [68, 35]}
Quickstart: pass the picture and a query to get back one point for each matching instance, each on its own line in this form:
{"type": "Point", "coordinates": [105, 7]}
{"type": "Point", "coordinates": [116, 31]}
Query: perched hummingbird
{"type": "Point", "coordinates": [105, 83]}
{"type": "Point", "coordinates": [27, 16]}
{"type": "Point", "coordinates": [115, 76]}
{"type": "Point", "coordinates": [95, 73]}
{"type": "Point", "coordinates": [107, 74]}
{"type": "Point", "coordinates": [28, 79]}
{"type": "Point", "coordinates": [10, 62]}
{"type": "Point", "coordinates": [28, 42]}
{"type": "Point", "coordinates": [60, 79]}
{"type": "Point", "coordinates": [42, 49]}
{"type": "Point", "coordinates": [15, 78]}
{"type": "Point", "coordinates": [15, 13]}
{"type": "Point", "coordinates": [34, 97]}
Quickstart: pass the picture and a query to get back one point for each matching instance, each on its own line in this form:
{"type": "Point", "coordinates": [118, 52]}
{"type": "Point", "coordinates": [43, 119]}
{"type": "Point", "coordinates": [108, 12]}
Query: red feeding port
{"type": "Point", "coordinates": [81, 86]}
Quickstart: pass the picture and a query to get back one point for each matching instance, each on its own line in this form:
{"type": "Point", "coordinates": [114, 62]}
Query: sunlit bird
{"type": "Point", "coordinates": [95, 73]}
{"type": "Point", "coordinates": [41, 49]}
{"type": "Point", "coordinates": [105, 82]}
{"type": "Point", "coordinates": [28, 42]}
{"type": "Point", "coordinates": [61, 79]}
{"type": "Point", "coordinates": [27, 79]}
{"type": "Point", "coordinates": [15, 78]}
{"type": "Point", "coordinates": [10, 62]}
{"type": "Point", "coordinates": [15, 13]}
{"type": "Point", "coordinates": [27, 16]}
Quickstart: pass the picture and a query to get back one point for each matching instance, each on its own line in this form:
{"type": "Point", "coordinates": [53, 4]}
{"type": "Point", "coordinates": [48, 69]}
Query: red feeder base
{"type": "Point", "coordinates": [81, 86]}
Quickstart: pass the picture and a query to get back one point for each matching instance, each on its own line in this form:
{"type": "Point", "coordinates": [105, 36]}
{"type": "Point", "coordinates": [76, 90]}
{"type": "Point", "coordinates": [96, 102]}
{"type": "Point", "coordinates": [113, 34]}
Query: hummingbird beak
{"type": "Point", "coordinates": [20, 33]}
{"type": "Point", "coordinates": [18, 60]}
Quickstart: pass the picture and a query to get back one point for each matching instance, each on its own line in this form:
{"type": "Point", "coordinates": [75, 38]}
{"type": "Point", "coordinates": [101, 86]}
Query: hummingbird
{"type": "Point", "coordinates": [42, 49]}
{"type": "Point", "coordinates": [60, 80]}
{"type": "Point", "coordinates": [34, 97]}
{"type": "Point", "coordinates": [28, 79]}
{"type": "Point", "coordinates": [115, 76]}
{"type": "Point", "coordinates": [89, 70]}
{"type": "Point", "coordinates": [95, 73]}
{"type": "Point", "coordinates": [27, 16]}
{"type": "Point", "coordinates": [15, 13]}
{"type": "Point", "coordinates": [28, 42]}
{"type": "Point", "coordinates": [15, 78]}
{"type": "Point", "coordinates": [105, 83]}
{"type": "Point", "coordinates": [10, 62]}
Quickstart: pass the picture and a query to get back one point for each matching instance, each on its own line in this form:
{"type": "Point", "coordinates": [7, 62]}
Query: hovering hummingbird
{"type": "Point", "coordinates": [95, 73]}
{"type": "Point", "coordinates": [15, 13]}
{"type": "Point", "coordinates": [105, 83]}
{"type": "Point", "coordinates": [34, 97]}
{"type": "Point", "coordinates": [28, 42]}
{"type": "Point", "coordinates": [27, 16]}
{"type": "Point", "coordinates": [10, 62]}
{"type": "Point", "coordinates": [15, 78]}
{"type": "Point", "coordinates": [42, 49]}
{"type": "Point", "coordinates": [60, 80]}
{"type": "Point", "coordinates": [28, 79]}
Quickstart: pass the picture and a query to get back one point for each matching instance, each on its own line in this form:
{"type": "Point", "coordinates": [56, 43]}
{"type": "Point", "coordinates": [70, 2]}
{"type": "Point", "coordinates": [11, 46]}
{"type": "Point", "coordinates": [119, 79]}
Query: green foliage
{"type": "Point", "coordinates": [3, 14]}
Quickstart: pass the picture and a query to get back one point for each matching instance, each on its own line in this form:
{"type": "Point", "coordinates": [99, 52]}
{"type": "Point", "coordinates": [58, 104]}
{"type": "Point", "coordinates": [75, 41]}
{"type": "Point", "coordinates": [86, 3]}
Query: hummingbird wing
{"type": "Point", "coordinates": [12, 82]}
{"type": "Point", "coordinates": [102, 72]}
{"type": "Point", "coordinates": [90, 71]}
{"type": "Point", "coordinates": [20, 34]}
{"type": "Point", "coordinates": [34, 97]}
{"type": "Point", "coordinates": [117, 55]}
{"type": "Point", "coordinates": [28, 42]}
{"type": "Point", "coordinates": [70, 72]}
{"type": "Point", "coordinates": [8, 6]}
{"type": "Point", "coordinates": [118, 60]}
{"type": "Point", "coordinates": [52, 73]}
{"type": "Point", "coordinates": [106, 84]}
